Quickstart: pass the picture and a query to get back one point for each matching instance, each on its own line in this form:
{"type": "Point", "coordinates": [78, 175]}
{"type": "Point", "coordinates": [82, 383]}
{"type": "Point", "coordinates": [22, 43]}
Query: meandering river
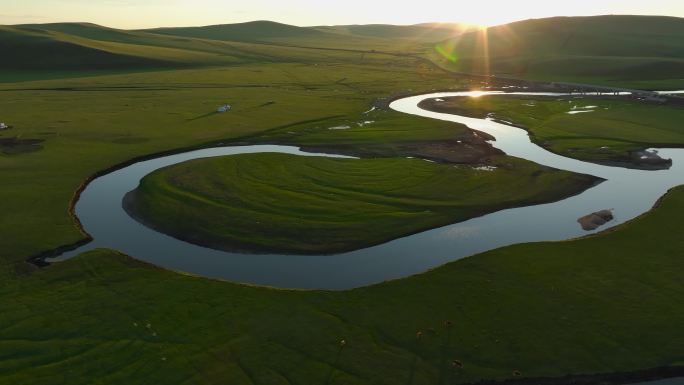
{"type": "Point", "coordinates": [628, 192]}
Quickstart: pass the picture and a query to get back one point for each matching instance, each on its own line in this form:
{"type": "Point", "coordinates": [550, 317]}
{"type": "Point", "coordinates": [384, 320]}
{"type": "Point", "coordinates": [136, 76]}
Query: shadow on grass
{"type": "Point", "coordinates": [203, 116]}
{"type": "Point", "coordinates": [412, 372]}
{"type": "Point", "coordinates": [446, 373]}
{"type": "Point", "coordinates": [333, 367]}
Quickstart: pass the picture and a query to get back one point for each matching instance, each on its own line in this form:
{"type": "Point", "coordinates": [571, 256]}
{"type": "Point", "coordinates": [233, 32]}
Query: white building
{"type": "Point", "coordinates": [224, 108]}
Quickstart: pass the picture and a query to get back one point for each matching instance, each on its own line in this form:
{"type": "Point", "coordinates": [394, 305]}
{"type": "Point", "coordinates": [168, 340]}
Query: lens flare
{"type": "Point", "coordinates": [477, 94]}
{"type": "Point", "coordinates": [447, 51]}
{"type": "Point", "coordinates": [483, 44]}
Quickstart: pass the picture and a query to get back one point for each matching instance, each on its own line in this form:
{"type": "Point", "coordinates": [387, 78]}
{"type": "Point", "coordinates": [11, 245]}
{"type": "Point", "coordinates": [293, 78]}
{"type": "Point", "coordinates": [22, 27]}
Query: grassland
{"type": "Point", "coordinates": [629, 51]}
{"type": "Point", "coordinates": [283, 34]}
{"type": "Point", "coordinates": [268, 201]}
{"type": "Point", "coordinates": [610, 131]}
{"type": "Point", "coordinates": [91, 124]}
{"type": "Point", "coordinates": [93, 47]}
{"type": "Point", "coordinates": [604, 304]}
{"type": "Point", "coordinates": [598, 50]}
{"type": "Point", "coordinates": [427, 32]}
{"type": "Point", "coordinates": [36, 50]}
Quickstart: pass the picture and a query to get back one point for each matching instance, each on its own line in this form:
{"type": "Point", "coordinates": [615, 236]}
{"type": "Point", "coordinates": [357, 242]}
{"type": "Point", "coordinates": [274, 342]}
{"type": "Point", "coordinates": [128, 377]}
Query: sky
{"type": "Point", "coordinates": [129, 14]}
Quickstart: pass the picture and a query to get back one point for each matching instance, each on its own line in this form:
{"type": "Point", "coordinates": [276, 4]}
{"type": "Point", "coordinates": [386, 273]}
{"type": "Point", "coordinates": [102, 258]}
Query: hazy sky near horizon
{"type": "Point", "coordinates": [157, 13]}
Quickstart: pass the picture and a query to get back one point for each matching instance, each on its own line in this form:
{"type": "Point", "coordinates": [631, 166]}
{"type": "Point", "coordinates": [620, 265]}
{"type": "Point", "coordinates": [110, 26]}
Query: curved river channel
{"type": "Point", "coordinates": [628, 192]}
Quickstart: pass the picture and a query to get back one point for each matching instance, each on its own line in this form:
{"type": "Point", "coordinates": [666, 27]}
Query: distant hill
{"type": "Point", "coordinates": [277, 33]}
{"type": "Point", "coordinates": [24, 49]}
{"type": "Point", "coordinates": [84, 30]}
{"type": "Point", "coordinates": [617, 47]}
{"type": "Point", "coordinates": [432, 32]}
{"type": "Point", "coordinates": [84, 46]}
{"type": "Point", "coordinates": [269, 31]}
{"type": "Point", "coordinates": [250, 31]}
{"type": "Point", "coordinates": [123, 41]}
{"type": "Point", "coordinates": [601, 49]}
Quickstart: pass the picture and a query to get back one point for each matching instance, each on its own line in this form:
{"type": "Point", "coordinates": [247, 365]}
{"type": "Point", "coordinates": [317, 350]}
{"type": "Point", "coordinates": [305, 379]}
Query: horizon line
{"type": "Point", "coordinates": [352, 24]}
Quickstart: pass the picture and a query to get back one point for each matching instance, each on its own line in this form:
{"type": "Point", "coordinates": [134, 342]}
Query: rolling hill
{"type": "Point", "coordinates": [618, 50]}
{"type": "Point", "coordinates": [429, 32]}
{"type": "Point", "coordinates": [268, 31]}
{"type": "Point", "coordinates": [378, 37]}
{"type": "Point", "coordinates": [254, 31]}
{"type": "Point", "coordinates": [613, 48]}
{"type": "Point", "coordinates": [84, 46]}
{"type": "Point", "coordinates": [36, 50]}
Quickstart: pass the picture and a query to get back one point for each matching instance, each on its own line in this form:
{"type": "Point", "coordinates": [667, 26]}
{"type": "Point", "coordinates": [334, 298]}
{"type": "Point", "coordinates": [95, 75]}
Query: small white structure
{"type": "Point", "coordinates": [3, 126]}
{"type": "Point", "coordinates": [224, 108]}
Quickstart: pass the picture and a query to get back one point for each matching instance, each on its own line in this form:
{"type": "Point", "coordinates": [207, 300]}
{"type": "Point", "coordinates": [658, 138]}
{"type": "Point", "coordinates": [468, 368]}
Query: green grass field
{"type": "Point", "coordinates": [89, 47]}
{"type": "Point", "coordinates": [267, 201]}
{"type": "Point", "coordinates": [276, 33]}
{"type": "Point", "coordinates": [90, 124]}
{"type": "Point", "coordinates": [608, 134]}
{"type": "Point", "coordinates": [603, 304]}
{"type": "Point", "coordinates": [599, 50]}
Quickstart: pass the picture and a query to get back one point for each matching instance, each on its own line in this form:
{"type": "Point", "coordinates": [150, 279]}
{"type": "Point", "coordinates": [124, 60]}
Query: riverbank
{"type": "Point", "coordinates": [609, 130]}
{"type": "Point", "coordinates": [323, 206]}
{"type": "Point", "coordinates": [562, 307]}
{"type": "Point", "coordinates": [470, 148]}
{"type": "Point", "coordinates": [392, 135]}
{"type": "Point", "coordinates": [542, 310]}
{"type": "Point", "coordinates": [493, 230]}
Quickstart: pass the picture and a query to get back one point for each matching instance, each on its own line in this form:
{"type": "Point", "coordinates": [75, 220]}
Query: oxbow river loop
{"type": "Point", "coordinates": [628, 192]}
